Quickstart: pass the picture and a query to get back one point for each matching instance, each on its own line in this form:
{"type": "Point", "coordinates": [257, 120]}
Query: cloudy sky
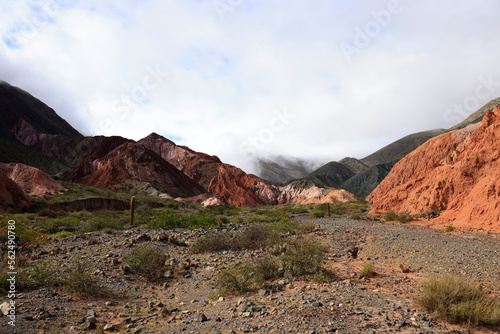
{"type": "Point", "coordinates": [318, 80]}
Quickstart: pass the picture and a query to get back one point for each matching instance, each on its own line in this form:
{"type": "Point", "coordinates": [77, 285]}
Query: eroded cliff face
{"type": "Point", "coordinates": [458, 172]}
{"type": "Point", "coordinates": [131, 164]}
{"type": "Point", "coordinates": [31, 180]}
{"type": "Point", "coordinates": [225, 181]}
{"type": "Point", "coordinates": [11, 195]}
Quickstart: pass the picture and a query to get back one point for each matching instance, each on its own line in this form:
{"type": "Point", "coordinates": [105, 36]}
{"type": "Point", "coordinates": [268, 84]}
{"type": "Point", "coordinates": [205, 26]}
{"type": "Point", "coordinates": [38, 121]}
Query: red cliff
{"type": "Point", "coordinates": [31, 180]}
{"type": "Point", "coordinates": [458, 172]}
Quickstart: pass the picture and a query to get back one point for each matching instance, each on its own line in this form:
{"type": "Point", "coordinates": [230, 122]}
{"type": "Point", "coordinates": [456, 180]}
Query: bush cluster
{"type": "Point", "coordinates": [459, 301]}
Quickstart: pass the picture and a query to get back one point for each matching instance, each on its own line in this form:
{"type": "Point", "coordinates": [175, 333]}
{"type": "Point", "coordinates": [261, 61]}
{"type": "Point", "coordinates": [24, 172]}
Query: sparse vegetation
{"type": "Point", "coordinates": [355, 216]}
{"type": "Point", "coordinates": [402, 218]}
{"type": "Point", "coordinates": [367, 270]}
{"type": "Point", "coordinates": [238, 280]}
{"type": "Point", "coordinates": [459, 301]}
{"type": "Point", "coordinates": [317, 213]}
{"type": "Point", "coordinates": [79, 280]}
{"type": "Point", "coordinates": [147, 261]}
{"type": "Point", "coordinates": [303, 256]}
{"type": "Point", "coordinates": [449, 228]}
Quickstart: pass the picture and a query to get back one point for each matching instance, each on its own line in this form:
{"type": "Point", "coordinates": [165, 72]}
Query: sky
{"type": "Point", "coordinates": [245, 79]}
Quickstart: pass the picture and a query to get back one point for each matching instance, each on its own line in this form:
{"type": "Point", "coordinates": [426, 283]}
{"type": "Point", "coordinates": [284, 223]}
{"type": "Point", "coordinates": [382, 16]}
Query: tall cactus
{"type": "Point", "coordinates": [132, 209]}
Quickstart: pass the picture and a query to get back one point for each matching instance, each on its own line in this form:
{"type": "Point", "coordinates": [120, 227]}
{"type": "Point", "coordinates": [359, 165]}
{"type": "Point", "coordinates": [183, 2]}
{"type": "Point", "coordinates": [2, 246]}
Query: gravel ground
{"type": "Point", "coordinates": [189, 304]}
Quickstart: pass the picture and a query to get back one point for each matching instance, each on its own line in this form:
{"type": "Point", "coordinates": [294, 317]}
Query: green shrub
{"type": "Point", "coordinates": [43, 275]}
{"type": "Point", "coordinates": [303, 256]}
{"type": "Point", "coordinates": [355, 216]}
{"type": "Point", "coordinates": [238, 280]}
{"type": "Point", "coordinates": [317, 213]}
{"type": "Point", "coordinates": [212, 243]}
{"type": "Point", "coordinates": [236, 219]}
{"type": "Point", "coordinates": [254, 218]}
{"type": "Point", "coordinates": [402, 218]}
{"type": "Point", "coordinates": [323, 275]}
{"type": "Point", "coordinates": [449, 228]}
{"type": "Point", "coordinates": [61, 234]}
{"type": "Point", "coordinates": [267, 267]}
{"type": "Point", "coordinates": [98, 223]}
{"type": "Point", "coordinates": [256, 236]}
{"type": "Point", "coordinates": [458, 301]}
{"type": "Point", "coordinates": [390, 216]}
{"type": "Point", "coordinates": [147, 261]}
{"type": "Point", "coordinates": [367, 270]}
{"type": "Point", "coordinates": [168, 220]}
{"type": "Point", "coordinates": [79, 280]}
{"type": "Point", "coordinates": [23, 230]}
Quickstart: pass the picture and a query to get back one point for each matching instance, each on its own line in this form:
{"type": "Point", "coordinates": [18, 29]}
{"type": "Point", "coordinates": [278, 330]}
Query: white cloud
{"type": "Point", "coordinates": [229, 71]}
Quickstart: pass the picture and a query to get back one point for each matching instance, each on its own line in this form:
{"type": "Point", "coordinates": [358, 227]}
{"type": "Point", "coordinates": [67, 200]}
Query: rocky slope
{"type": "Point", "coordinates": [458, 172]}
{"type": "Point", "coordinates": [306, 192]}
{"type": "Point", "coordinates": [31, 180]}
{"type": "Point", "coordinates": [11, 195]}
{"type": "Point", "coordinates": [133, 162]}
{"type": "Point", "coordinates": [61, 147]}
{"type": "Point", "coordinates": [225, 181]}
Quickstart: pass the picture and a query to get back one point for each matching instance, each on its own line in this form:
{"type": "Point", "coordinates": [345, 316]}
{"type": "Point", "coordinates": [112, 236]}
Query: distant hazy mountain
{"type": "Point", "coordinates": [282, 170]}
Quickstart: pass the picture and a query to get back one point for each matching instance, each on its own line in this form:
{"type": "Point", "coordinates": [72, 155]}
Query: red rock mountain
{"type": "Point", "coordinates": [229, 183]}
{"type": "Point", "coordinates": [133, 162]}
{"type": "Point", "coordinates": [458, 172]}
{"type": "Point", "coordinates": [31, 180]}
{"type": "Point", "coordinates": [11, 195]}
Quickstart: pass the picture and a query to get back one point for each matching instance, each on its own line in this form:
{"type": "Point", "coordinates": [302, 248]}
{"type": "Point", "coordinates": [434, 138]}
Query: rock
{"type": "Point", "coordinates": [142, 238]}
{"type": "Point", "coordinates": [89, 325]}
{"type": "Point", "coordinates": [4, 308]}
{"type": "Point", "coordinates": [126, 269]}
{"type": "Point", "coordinates": [263, 292]}
{"type": "Point", "coordinates": [109, 327]}
{"type": "Point", "coordinates": [200, 317]}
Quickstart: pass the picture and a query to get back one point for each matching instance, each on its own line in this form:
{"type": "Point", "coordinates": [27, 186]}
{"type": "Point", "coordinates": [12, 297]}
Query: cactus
{"type": "Point", "coordinates": [132, 209]}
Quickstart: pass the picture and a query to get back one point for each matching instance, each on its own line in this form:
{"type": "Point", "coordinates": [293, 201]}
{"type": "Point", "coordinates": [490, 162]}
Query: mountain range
{"type": "Point", "coordinates": [34, 135]}
{"type": "Point", "coordinates": [362, 176]}
{"type": "Point", "coordinates": [429, 170]}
